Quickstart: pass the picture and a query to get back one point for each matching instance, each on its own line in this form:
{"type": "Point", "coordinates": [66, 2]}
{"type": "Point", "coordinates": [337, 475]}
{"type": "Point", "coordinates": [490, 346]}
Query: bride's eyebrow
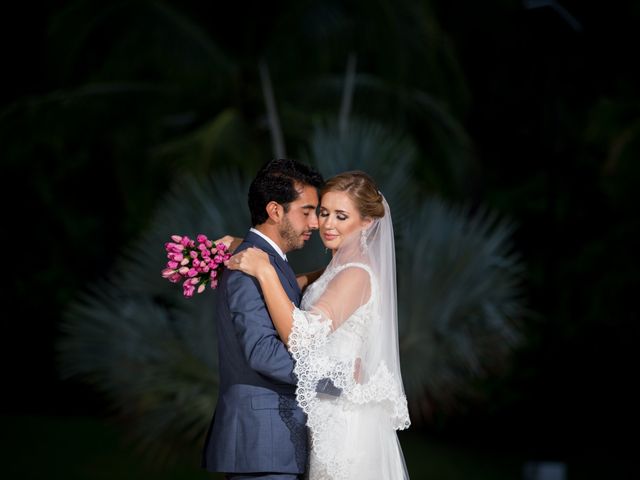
{"type": "Point", "coordinates": [337, 210]}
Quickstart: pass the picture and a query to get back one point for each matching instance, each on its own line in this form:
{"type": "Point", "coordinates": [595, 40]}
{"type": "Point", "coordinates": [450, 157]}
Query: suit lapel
{"type": "Point", "coordinates": [286, 269]}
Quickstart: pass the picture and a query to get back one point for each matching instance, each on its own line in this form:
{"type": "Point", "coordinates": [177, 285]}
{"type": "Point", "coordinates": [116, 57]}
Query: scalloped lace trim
{"type": "Point", "coordinates": [325, 419]}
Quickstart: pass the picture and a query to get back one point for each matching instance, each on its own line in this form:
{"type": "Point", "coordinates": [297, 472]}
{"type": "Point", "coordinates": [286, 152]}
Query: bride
{"type": "Point", "coordinates": [344, 338]}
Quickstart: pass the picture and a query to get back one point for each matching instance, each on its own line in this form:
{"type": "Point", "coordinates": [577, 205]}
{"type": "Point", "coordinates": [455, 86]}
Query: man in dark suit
{"type": "Point", "coordinates": [258, 431]}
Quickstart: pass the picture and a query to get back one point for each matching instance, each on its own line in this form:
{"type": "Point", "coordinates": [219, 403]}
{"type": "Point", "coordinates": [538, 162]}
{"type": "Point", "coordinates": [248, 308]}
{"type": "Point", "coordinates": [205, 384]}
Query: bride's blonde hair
{"type": "Point", "coordinates": [361, 188]}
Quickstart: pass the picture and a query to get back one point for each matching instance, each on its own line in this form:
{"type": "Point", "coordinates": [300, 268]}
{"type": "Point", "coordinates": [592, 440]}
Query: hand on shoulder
{"type": "Point", "coordinates": [251, 261]}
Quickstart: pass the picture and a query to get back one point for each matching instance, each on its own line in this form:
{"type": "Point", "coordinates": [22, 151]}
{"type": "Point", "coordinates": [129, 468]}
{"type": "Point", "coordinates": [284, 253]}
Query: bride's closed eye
{"type": "Point", "coordinates": [324, 213]}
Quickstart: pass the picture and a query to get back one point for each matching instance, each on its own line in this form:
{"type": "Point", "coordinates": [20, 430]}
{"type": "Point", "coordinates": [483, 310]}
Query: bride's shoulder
{"type": "Point", "coordinates": [354, 268]}
{"type": "Point", "coordinates": [352, 272]}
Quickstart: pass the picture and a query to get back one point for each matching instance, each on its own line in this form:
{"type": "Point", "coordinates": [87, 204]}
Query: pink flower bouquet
{"type": "Point", "coordinates": [194, 263]}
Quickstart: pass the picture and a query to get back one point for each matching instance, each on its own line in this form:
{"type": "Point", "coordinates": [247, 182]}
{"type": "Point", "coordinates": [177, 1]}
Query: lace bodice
{"type": "Point", "coordinates": [351, 334]}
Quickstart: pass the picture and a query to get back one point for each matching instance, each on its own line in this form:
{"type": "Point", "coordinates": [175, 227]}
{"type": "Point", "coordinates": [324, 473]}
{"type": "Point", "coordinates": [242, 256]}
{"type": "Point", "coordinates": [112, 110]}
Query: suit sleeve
{"type": "Point", "coordinates": [261, 346]}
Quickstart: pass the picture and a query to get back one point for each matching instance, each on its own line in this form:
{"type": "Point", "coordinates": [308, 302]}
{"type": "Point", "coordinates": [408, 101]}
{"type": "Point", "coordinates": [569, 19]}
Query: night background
{"type": "Point", "coordinates": [528, 109]}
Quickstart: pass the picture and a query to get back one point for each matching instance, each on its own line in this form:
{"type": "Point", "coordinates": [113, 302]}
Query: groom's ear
{"type": "Point", "coordinates": [275, 211]}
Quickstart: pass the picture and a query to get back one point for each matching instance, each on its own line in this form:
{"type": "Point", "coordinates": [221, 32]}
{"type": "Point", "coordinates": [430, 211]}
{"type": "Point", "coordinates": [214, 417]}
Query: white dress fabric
{"type": "Point", "coordinates": [344, 342]}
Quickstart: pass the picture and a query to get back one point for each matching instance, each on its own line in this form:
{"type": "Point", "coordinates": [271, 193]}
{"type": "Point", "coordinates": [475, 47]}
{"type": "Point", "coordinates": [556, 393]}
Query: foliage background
{"type": "Point", "coordinates": [512, 107]}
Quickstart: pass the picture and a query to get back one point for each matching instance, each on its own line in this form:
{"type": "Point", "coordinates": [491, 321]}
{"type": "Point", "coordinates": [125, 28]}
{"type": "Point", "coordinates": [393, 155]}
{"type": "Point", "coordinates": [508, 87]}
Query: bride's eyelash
{"type": "Point", "coordinates": [326, 214]}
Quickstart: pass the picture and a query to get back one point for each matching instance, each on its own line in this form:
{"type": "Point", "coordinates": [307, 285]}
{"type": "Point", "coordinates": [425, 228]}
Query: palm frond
{"type": "Point", "coordinates": [223, 138]}
{"type": "Point", "coordinates": [139, 341]}
{"type": "Point", "coordinates": [460, 300]}
{"type": "Point", "coordinates": [387, 156]}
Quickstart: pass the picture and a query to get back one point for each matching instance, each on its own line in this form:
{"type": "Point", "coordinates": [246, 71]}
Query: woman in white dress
{"type": "Point", "coordinates": [344, 338]}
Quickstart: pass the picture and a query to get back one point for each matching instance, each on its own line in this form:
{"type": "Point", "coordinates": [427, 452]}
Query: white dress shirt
{"type": "Point", "coordinates": [270, 242]}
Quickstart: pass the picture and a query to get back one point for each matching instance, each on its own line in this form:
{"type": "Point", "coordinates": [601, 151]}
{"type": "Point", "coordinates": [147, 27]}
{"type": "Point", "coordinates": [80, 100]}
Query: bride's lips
{"type": "Point", "coordinates": [329, 236]}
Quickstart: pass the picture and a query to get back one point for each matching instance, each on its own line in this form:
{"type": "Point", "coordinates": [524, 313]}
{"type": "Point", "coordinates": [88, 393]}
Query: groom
{"type": "Point", "coordinates": [258, 431]}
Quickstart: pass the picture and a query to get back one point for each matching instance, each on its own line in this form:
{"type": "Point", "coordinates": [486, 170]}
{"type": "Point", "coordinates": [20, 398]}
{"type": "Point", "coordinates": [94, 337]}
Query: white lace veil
{"type": "Point", "coordinates": [382, 344]}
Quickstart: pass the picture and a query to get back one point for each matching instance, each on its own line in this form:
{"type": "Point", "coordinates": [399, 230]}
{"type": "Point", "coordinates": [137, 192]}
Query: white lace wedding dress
{"type": "Point", "coordinates": [353, 422]}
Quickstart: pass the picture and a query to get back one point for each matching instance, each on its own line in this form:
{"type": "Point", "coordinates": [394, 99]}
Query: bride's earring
{"type": "Point", "coordinates": [363, 240]}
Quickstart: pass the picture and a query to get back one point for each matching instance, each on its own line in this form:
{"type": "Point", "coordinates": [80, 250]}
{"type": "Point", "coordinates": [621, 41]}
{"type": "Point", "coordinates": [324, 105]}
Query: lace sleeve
{"type": "Point", "coordinates": [313, 368]}
{"type": "Point", "coordinates": [319, 367]}
{"type": "Point", "coordinates": [348, 289]}
{"type": "Point", "coordinates": [309, 332]}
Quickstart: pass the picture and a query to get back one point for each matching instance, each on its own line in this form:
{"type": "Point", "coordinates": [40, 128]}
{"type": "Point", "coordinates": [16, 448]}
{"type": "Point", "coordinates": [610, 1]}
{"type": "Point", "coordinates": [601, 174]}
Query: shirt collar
{"type": "Point", "coordinates": [270, 242]}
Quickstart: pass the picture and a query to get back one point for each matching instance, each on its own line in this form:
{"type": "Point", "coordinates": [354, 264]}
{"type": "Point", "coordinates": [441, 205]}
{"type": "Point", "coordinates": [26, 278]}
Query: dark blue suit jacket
{"type": "Point", "coordinates": [257, 425]}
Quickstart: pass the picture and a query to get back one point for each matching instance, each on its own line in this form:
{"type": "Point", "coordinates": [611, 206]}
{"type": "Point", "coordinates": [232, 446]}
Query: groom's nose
{"type": "Point", "coordinates": [313, 221]}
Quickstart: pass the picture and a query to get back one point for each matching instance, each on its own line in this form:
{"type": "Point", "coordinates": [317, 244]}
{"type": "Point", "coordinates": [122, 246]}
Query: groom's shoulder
{"type": "Point", "coordinates": [238, 280]}
{"type": "Point", "coordinates": [253, 240]}
{"type": "Point", "coordinates": [239, 284]}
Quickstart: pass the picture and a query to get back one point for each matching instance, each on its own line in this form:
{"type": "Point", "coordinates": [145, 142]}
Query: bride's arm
{"type": "Point", "coordinates": [255, 262]}
{"type": "Point", "coordinates": [344, 294]}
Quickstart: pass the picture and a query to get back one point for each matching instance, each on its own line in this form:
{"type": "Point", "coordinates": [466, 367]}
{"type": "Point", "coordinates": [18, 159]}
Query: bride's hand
{"type": "Point", "coordinates": [251, 261]}
{"type": "Point", "coordinates": [231, 242]}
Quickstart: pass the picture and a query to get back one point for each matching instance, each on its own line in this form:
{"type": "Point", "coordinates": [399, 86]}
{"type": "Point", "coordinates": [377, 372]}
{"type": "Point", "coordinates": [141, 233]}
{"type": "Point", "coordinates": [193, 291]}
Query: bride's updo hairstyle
{"type": "Point", "coordinates": [361, 189]}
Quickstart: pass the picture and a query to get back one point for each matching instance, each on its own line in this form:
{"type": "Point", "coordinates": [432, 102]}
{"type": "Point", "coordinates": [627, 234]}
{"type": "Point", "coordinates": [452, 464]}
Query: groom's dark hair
{"type": "Point", "coordinates": [276, 181]}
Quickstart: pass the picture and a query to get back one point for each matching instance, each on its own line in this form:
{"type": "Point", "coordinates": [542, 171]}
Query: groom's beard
{"type": "Point", "coordinates": [292, 239]}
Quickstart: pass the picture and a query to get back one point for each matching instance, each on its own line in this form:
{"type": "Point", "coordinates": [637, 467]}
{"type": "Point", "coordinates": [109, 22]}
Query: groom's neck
{"type": "Point", "coordinates": [271, 231]}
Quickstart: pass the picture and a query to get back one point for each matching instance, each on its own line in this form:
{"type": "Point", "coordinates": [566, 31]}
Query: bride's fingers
{"type": "Point", "coordinates": [227, 240]}
{"type": "Point", "coordinates": [234, 262]}
{"type": "Point", "coordinates": [247, 259]}
{"type": "Point", "coordinates": [256, 252]}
